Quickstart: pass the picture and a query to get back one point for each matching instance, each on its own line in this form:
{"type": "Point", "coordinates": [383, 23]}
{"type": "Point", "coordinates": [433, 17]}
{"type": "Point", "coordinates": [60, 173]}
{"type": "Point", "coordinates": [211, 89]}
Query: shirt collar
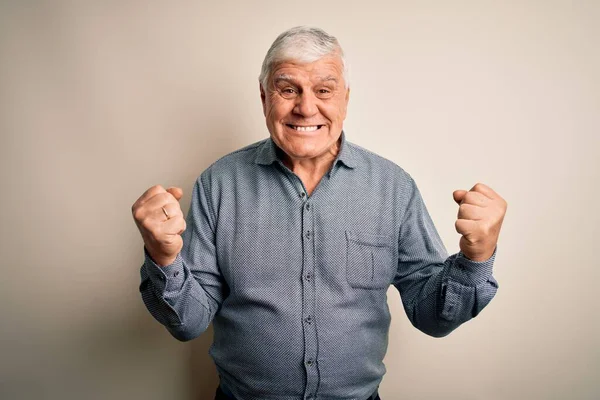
{"type": "Point", "coordinates": [267, 153]}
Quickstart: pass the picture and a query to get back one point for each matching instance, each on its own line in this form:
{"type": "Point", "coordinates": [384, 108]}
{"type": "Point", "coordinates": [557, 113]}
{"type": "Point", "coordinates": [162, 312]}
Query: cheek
{"type": "Point", "coordinates": [335, 114]}
{"type": "Point", "coordinates": [276, 109]}
{"type": "Point", "coordinates": [343, 113]}
{"type": "Point", "coordinates": [336, 111]}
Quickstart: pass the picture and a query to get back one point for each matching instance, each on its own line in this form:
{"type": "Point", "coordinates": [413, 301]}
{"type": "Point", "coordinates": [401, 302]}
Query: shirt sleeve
{"type": "Point", "coordinates": [439, 292]}
{"type": "Point", "coordinates": [185, 295]}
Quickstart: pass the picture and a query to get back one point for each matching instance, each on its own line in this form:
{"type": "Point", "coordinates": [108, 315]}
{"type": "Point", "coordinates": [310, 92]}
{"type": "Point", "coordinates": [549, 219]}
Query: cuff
{"type": "Point", "coordinates": [469, 272]}
{"type": "Point", "coordinates": [165, 278]}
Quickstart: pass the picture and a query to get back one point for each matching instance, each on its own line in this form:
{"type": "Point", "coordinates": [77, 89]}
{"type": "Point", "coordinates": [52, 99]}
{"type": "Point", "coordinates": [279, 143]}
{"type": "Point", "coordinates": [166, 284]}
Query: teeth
{"type": "Point", "coordinates": [305, 128]}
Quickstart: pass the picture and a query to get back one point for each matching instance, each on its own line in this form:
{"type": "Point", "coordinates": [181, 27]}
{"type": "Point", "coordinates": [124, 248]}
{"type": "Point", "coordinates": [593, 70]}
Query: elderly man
{"type": "Point", "coordinates": [291, 243]}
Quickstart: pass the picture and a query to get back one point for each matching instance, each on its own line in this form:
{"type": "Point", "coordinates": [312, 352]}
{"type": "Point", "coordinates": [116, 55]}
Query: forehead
{"type": "Point", "coordinates": [329, 68]}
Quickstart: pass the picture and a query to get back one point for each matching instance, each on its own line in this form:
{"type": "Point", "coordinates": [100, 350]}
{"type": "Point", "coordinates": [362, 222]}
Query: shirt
{"type": "Point", "coordinates": [295, 285]}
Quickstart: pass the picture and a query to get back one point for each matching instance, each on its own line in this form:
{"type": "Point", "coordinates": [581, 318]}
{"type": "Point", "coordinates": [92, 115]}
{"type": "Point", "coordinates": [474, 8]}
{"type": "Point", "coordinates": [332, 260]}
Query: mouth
{"type": "Point", "coordinates": [308, 128]}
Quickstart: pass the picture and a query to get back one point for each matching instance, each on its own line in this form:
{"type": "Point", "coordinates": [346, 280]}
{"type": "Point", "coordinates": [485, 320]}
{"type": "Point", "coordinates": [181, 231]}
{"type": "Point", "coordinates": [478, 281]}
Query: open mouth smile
{"type": "Point", "coordinates": [298, 128]}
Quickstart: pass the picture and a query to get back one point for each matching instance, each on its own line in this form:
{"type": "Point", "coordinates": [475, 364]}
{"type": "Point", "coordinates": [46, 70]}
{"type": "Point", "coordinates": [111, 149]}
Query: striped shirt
{"type": "Point", "coordinates": [295, 285]}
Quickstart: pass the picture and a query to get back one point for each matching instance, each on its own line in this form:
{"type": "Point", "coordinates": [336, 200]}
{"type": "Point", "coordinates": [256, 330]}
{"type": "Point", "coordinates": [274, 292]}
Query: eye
{"type": "Point", "coordinates": [288, 92]}
{"type": "Point", "coordinates": [324, 93]}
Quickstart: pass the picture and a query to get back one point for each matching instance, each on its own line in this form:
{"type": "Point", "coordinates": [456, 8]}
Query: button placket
{"type": "Point", "coordinates": [308, 299]}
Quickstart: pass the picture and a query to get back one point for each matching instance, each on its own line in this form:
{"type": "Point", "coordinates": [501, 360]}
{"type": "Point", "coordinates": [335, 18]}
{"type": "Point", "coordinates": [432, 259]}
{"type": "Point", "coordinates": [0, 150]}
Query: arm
{"type": "Point", "coordinates": [185, 295]}
{"type": "Point", "coordinates": [439, 293]}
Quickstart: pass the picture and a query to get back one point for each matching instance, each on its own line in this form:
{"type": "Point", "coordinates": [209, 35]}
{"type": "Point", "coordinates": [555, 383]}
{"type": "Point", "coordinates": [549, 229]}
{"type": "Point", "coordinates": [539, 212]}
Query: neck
{"type": "Point", "coordinates": [311, 170]}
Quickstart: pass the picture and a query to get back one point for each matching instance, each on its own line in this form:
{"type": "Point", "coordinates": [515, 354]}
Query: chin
{"type": "Point", "coordinates": [304, 145]}
{"type": "Point", "coordinates": [305, 151]}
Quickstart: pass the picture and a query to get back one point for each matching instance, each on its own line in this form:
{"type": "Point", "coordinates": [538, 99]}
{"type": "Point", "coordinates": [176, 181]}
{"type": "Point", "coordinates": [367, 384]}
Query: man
{"type": "Point", "coordinates": [292, 242]}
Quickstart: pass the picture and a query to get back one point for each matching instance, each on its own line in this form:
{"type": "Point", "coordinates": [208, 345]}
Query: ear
{"type": "Point", "coordinates": [263, 98]}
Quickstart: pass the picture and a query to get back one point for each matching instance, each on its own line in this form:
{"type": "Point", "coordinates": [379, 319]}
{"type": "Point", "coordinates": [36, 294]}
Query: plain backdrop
{"type": "Point", "coordinates": [101, 100]}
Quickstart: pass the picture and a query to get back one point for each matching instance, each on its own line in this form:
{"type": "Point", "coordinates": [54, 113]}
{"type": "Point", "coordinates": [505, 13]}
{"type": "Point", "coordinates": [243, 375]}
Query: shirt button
{"type": "Point", "coordinates": [308, 276]}
{"type": "Point", "coordinates": [302, 194]}
{"type": "Point", "coordinates": [308, 234]}
{"type": "Point", "coordinates": [308, 319]}
{"type": "Point", "coordinates": [307, 206]}
{"type": "Point", "coordinates": [176, 273]}
{"type": "Point", "coordinates": [309, 363]}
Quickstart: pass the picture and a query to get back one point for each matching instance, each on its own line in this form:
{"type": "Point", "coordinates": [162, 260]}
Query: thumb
{"type": "Point", "coordinates": [176, 192]}
{"type": "Point", "coordinates": [459, 195]}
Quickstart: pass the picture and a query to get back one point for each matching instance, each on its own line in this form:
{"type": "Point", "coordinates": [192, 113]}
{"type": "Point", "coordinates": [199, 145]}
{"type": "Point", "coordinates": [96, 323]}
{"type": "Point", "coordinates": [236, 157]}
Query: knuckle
{"type": "Point", "coordinates": [170, 198]}
{"type": "Point", "coordinates": [138, 213]}
{"type": "Point", "coordinates": [166, 197]}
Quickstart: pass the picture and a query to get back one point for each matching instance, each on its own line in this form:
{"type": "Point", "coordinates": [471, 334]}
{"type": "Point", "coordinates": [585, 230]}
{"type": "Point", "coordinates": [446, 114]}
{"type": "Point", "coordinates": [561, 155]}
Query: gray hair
{"type": "Point", "coordinates": [303, 44]}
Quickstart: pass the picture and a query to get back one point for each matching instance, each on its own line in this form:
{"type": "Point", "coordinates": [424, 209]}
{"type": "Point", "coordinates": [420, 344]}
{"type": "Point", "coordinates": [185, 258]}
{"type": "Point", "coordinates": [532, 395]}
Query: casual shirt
{"type": "Point", "coordinates": [296, 285]}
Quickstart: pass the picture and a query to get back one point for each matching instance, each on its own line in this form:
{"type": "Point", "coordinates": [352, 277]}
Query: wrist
{"type": "Point", "coordinates": [158, 259]}
{"type": "Point", "coordinates": [479, 256]}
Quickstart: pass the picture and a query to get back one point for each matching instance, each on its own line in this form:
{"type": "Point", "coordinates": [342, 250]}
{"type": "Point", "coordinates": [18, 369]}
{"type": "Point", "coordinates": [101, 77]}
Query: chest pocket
{"type": "Point", "coordinates": [370, 262]}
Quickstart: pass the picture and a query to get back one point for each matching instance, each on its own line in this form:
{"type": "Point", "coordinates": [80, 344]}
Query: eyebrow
{"type": "Point", "coordinates": [283, 77]}
{"type": "Point", "coordinates": [328, 78]}
{"type": "Point", "coordinates": [286, 77]}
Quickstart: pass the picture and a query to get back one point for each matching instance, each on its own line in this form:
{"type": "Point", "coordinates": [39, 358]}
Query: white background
{"type": "Point", "coordinates": [100, 100]}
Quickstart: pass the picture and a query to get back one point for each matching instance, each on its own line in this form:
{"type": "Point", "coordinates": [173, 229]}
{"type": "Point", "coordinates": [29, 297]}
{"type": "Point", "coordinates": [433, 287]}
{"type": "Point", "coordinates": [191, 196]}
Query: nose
{"type": "Point", "coordinates": [306, 105]}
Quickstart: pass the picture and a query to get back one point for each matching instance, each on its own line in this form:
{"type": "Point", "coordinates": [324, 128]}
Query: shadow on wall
{"type": "Point", "coordinates": [203, 375]}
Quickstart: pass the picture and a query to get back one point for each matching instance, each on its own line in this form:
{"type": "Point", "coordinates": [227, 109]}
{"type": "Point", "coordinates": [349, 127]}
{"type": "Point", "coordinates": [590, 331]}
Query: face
{"type": "Point", "coordinates": [305, 107]}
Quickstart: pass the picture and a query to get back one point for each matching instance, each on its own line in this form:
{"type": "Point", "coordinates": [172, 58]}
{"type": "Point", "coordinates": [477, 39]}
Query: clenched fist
{"type": "Point", "coordinates": [159, 218]}
{"type": "Point", "coordinates": [480, 215]}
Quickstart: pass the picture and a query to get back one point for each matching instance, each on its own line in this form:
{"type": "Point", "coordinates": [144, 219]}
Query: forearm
{"type": "Point", "coordinates": [450, 295]}
{"type": "Point", "coordinates": [175, 299]}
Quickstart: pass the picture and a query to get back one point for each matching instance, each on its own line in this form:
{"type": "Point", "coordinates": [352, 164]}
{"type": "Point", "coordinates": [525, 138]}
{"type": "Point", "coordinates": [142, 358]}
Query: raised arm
{"type": "Point", "coordinates": [439, 293]}
{"type": "Point", "coordinates": [180, 280]}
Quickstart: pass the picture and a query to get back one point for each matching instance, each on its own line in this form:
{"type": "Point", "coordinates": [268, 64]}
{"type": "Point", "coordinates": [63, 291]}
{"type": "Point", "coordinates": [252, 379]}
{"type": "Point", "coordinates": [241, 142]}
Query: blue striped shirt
{"type": "Point", "coordinates": [295, 285]}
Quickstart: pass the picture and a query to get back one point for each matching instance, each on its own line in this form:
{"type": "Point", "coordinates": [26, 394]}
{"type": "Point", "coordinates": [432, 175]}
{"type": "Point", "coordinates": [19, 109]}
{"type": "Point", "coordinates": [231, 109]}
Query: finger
{"type": "Point", "coordinates": [168, 211]}
{"type": "Point", "coordinates": [465, 226]}
{"type": "Point", "coordinates": [148, 194]}
{"type": "Point", "coordinates": [174, 226]}
{"type": "Point", "coordinates": [159, 200]}
{"type": "Point", "coordinates": [476, 199]}
{"type": "Point", "coordinates": [484, 189]}
{"type": "Point", "coordinates": [176, 192]}
{"type": "Point", "coordinates": [469, 211]}
{"type": "Point", "coordinates": [458, 195]}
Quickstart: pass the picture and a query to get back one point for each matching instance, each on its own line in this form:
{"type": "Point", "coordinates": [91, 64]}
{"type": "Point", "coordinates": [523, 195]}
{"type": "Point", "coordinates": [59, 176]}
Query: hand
{"type": "Point", "coordinates": [480, 215]}
{"type": "Point", "coordinates": [159, 218]}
